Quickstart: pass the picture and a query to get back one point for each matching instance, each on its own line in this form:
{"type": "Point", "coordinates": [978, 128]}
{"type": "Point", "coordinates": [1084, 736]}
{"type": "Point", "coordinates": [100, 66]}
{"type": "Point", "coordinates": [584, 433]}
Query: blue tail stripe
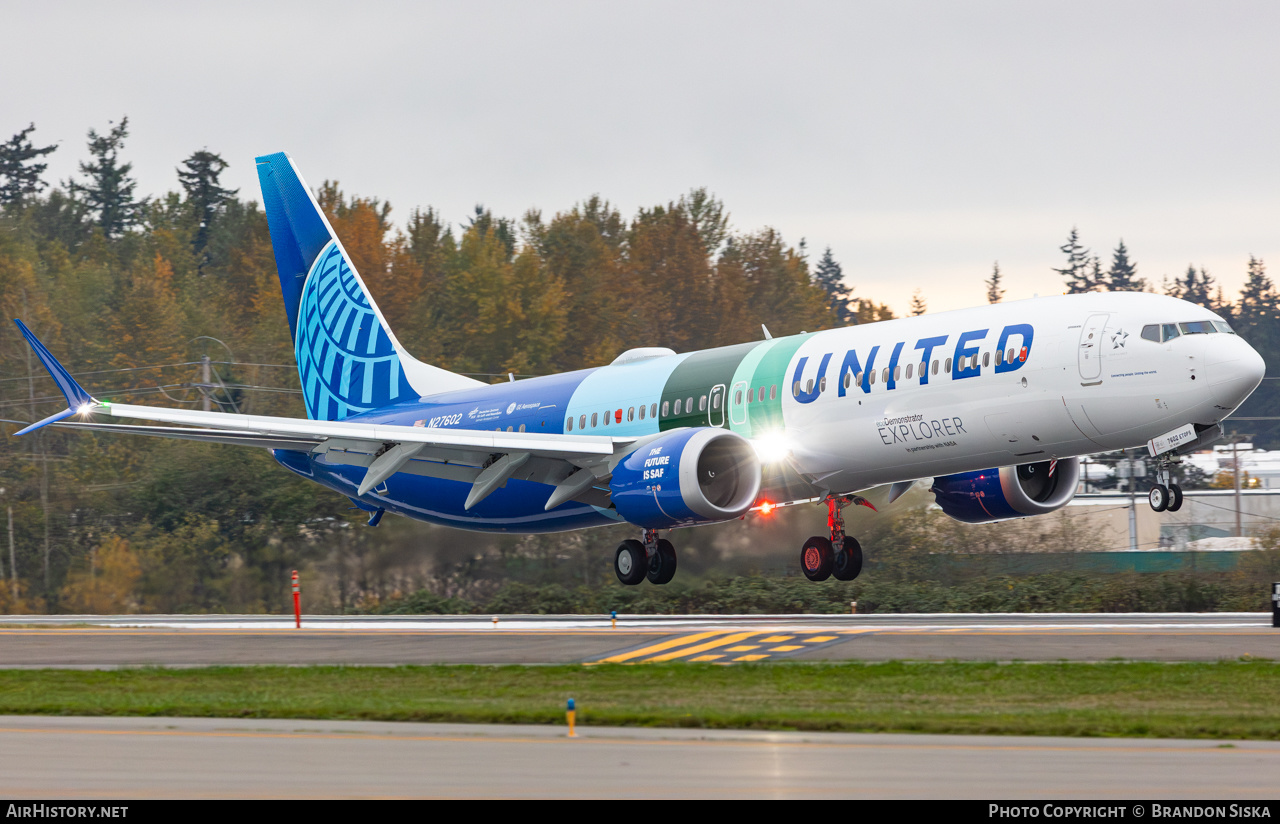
{"type": "Point", "coordinates": [298, 231]}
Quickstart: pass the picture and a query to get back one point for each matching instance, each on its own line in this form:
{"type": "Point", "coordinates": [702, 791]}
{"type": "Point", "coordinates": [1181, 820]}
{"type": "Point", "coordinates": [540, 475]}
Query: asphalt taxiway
{"type": "Point", "coordinates": [55, 757]}
{"type": "Point", "coordinates": [169, 640]}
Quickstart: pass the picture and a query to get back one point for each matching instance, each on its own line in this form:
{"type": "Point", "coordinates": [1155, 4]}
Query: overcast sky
{"type": "Point", "coordinates": [921, 141]}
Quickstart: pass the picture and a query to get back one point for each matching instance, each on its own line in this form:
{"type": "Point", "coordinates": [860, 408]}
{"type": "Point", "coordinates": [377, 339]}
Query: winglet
{"type": "Point", "coordinates": [76, 397]}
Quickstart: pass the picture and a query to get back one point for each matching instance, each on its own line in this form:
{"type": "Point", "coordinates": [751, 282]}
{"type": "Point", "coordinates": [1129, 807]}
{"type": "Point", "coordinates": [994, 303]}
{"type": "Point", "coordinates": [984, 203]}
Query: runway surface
{"type": "Point", "coordinates": [48, 758]}
{"type": "Point", "coordinates": [112, 641]}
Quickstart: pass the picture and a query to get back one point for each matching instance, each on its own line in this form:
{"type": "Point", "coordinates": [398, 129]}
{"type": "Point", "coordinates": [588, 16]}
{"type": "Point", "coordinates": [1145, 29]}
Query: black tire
{"type": "Point", "coordinates": [630, 563]}
{"type": "Point", "coordinates": [848, 561]}
{"type": "Point", "coordinates": [1158, 497]}
{"type": "Point", "coordinates": [1175, 503]}
{"type": "Point", "coordinates": [817, 558]}
{"type": "Point", "coordinates": [662, 567]}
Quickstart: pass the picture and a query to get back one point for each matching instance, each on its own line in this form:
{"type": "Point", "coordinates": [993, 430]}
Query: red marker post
{"type": "Point", "coordinates": [297, 602]}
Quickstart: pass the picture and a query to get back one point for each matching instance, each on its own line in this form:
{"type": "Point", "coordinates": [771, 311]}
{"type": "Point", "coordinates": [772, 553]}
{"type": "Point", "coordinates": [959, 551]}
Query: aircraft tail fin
{"type": "Point", "coordinates": [349, 360]}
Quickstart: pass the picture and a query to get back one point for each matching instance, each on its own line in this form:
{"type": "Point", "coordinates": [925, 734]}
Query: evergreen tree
{"type": "Point", "coordinates": [19, 177]}
{"type": "Point", "coordinates": [1194, 287]}
{"type": "Point", "coordinates": [1076, 272]}
{"type": "Point", "coordinates": [109, 190]}
{"type": "Point", "coordinates": [504, 229]}
{"type": "Point", "coordinates": [918, 305]}
{"type": "Point", "coordinates": [1123, 274]}
{"type": "Point", "coordinates": [1259, 304]}
{"type": "Point", "coordinates": [994, 291]}
{"type": "Point", "coordinates": [830, 276]}
{"type": "Point", "coordinates": [199, 178]}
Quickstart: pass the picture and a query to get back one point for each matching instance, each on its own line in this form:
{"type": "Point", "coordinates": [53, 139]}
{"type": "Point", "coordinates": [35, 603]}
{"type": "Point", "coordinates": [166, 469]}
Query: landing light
{"type": "Point", "coordinates": [771, 448]}
{"type": "Point", "coordinates": [84, 409]}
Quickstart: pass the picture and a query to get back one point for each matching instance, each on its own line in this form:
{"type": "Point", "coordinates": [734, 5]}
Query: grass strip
{"type": "Point", "coordinates": [1230, 699]}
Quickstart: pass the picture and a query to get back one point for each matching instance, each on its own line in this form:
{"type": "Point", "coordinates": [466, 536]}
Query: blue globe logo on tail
{"type": "Point", "coordinates": [345, 357]}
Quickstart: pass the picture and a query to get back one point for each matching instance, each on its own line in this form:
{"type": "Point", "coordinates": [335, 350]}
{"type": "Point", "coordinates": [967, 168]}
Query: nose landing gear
{"type": "Point", "coordinates": [840, 555]}
{"type": "Point", "coordinates": [1165, 496]}
{"type": "Point", "coordinates": [654, 559]}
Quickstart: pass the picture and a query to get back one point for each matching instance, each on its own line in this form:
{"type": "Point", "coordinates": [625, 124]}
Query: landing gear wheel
{"type": "Point", "coordinates": [1176, 503]}
{"type": "Point", "coordinates": [1159, 497]}
{"type": "Point", "coordinates": [662, 566]}
{"type": "Point", "coordinates": [848, 561]}
{"type": "Point", "coordinates": [630, 563]}
{"type": "Point", "coordinates": [816, 558]}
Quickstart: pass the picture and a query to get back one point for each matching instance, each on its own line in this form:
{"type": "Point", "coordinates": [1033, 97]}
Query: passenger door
{"type": "Point", "coordinates": [1090, 353]}
{"type": "Point", "coordinates": [738, 406]}
{"type": "Point", "coordinates": [715, 415]}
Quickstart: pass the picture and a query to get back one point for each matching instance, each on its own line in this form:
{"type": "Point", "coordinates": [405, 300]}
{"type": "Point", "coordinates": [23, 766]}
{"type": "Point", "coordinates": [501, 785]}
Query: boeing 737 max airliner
{"type": "Point", "coordinates": [994, 404]}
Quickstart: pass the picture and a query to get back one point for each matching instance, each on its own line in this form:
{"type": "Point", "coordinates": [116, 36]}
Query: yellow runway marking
{"type": "Point", "coordinates": [706, 658]}
{"type": "Point", "coordinates": [750, 657]}
{"type": "Point", "coordinates": [743, 648]}
{"type": "Point", "coordinates": [819, 639]}
{"type": "Point", "coordinates": [786, 648]}
{"type": "Point", "coordinates": [776, 639]}
{"type": "Point", "coordinates": [704, 647]}
{"type": "Point", "coordinates": [664, 645]}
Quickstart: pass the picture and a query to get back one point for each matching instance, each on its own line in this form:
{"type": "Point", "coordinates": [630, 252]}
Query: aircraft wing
{"type": "Point", "coordinates": [573, 464]}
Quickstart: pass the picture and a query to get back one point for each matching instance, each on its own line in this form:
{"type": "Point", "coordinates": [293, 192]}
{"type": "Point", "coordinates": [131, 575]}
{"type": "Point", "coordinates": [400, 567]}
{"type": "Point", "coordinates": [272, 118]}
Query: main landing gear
{"type": "Point", "coordinates": [1165, 496]}
{"type": "Point", "coordinates": [840, 555]}
{"type": "Point", "coordinates": [654, 559]}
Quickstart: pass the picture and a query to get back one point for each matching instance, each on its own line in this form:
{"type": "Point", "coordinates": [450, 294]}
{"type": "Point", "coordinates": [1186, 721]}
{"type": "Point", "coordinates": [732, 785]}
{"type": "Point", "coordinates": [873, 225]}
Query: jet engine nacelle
{"type": "Point", "coordinates": [688, 476]}
{"type": "Point", "coordinates": [1008, 492]}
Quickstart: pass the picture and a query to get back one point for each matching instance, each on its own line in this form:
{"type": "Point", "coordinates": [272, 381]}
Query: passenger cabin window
{"type": "Point", "coordinates": [653, 411]}
{"type": "Point", "coordinates": [947, 366]}
{"type": "Point", "coordinates": [1011, 356]}
{"type": "Point", "coordinates": [986, 358]}
{"type": "Point", "coordinates": [594, 419]}
{"type": "Point", "coordinates": [1151, 332]}
{"type": "Point", "coordinates": [822, 384]}
{"type": "Point", "coordinates": [885, 376]}
{"type": "Point", "coordinates": [582, 421]}
{"type": "Point", "coordinates": [642, 412]}
{"type": "Point", "coordinates": [688, 405]}
{"type": "Point", "coordinates": [751, 394]}
{"type": "Point", "coordinates": [521, 427]}
{"type": "Point", "coordinates": [737, 398]}
{"type": "Point", "coordinates": [631, 413]}
{"type": "Point", "coordinates": [909, 365]}
{"type": "Point", "coordinates": [677, 410]}
{"type": "Point", "coordinates": [702, 404]}
{"type": "Point", "coordinates": [848, 378]}
{"type": "Point", "coordinates": [858, 378]}
{"type": "Point", "coordinates": [808, 387]}
{"type": "Point", "coordinates": [871, 378]}
{"type": "Point", "coordinates": [897, 373]}
{"type": "Point", "coordinates": [795, 390]}
{"type": "Point", "coordinates": [715, 402]}
{"type": "Point", "coordinates": [569, 425]}
{"type": "Point", "coordinates": [773, 392]}
{"type": "Point", "coordinates": [999, 357]}
{"type": "Point", "coordinates": [935, 367]}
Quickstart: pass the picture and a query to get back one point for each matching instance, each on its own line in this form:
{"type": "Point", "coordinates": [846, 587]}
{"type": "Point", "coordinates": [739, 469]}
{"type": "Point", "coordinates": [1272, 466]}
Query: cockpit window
{"type": "Point", "coordinates": [1199, 327]}
{"type": "Point", "coordinates": [1223, 326]}
{"type": "Point", "coordinates": [1151, 332]}
{"type": "Point", "coordinates": [1169, 331]}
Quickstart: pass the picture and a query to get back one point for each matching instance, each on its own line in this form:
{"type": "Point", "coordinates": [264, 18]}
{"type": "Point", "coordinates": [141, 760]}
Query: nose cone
{"type": "Point", "coordinates": [1235, 370]}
